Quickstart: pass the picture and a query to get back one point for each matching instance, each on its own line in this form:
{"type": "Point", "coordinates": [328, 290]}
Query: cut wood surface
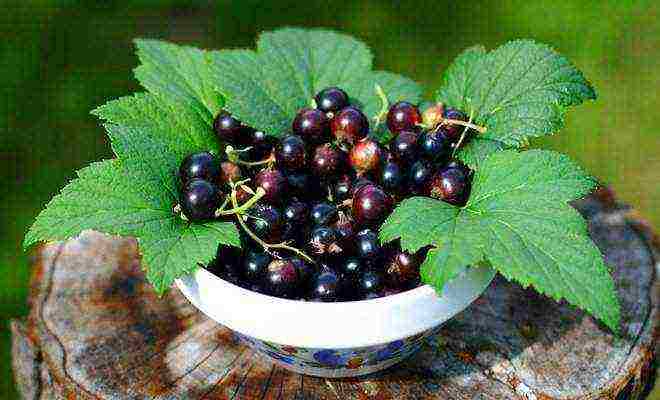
{"type": "Point", "coordinates": [97, 330]}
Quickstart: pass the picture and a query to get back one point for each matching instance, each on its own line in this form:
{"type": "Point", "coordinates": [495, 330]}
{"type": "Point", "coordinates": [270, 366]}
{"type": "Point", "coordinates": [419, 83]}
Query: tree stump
{"type": "Point", "coordinates": [97, 331]}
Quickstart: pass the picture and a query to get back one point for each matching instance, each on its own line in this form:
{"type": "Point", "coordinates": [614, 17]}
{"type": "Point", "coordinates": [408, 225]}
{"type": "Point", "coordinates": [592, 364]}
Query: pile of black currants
{"type": "Point", "coordinates": [309, 205]}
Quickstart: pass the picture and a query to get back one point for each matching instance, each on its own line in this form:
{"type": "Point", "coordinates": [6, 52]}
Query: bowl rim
{"type": "Point", "coordinates": [476, 279]}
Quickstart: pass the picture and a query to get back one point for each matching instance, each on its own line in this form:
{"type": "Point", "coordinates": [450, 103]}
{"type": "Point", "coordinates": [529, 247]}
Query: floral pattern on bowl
{"type": "Point", "coordinates": [339, 362]}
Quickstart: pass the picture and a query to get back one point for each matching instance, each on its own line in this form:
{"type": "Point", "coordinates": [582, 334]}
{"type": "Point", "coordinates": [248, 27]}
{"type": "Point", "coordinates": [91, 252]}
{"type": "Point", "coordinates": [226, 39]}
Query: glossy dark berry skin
{"type": "Point", "coordinates": [450, 185]}
{"type": "Point", "coordinates": [290, 153]}
{"type": "Point", "coordinates": [371, 282]}
{"type": "Point", "coordinates": [366, 156]}
{"type": "Point", "coordinates": [324, 213]}
{"type": "Point", "coordinates": [326, 286]}
{"type": "Point", "coordinates": [255, 265]}
{"type": "Point", "coordinates": [323, 240]}
{"type": "Point", "coordinates": [404, 147]}
{"type": "Point", "coordinates": [230, 172]}
{"type": "Point", "coordinates": [297, 213]}
{"type": "Point", "coordinates": [304, 186]}
{"type": "Point", "coordinates": [403, 116]}
{"type": "Point", "coordinates": [274, 184]}
{"type": "Point", "coordinates": [434, 146]}
{"type": "Point", "coordinates": [342, 188]}
{"type": "Point", "coordinates": [262, 145]}
{"type": "Point", "coordinates": [368, 246]}
{"type": "Point", "coordinates": [392, 178]}
{"type": "Point", "coordinates": [227, 263]}
{"type": "Point", "coordinates": [454, 132]}
{"type": "Point", "coordinates": [359, 183]}
{"type": "Point", "coordinates": [349, 125]}
{"type": "Point", "coordinates": [420, 175]}
{"type": "Point", "coordinates": [328, 161]}
{"type": "Point", "coordinates": [331, 100]}
{"type": "Point", "coordinates": [371, 205]}
{"type": "Point", "coordinates": [202, 165]}
{"type": "Point", "coordinates": [199, 199]}
{"type": "Point", "coordinates": [282, 278]}
{"type": "Point", "coordinates": [228, 128]}
{"type": "Point", "coordinates": [402, 270]}
{"type": "Point", "coordinates": [312, 125]}
{"type": "Point", "coordinates": [266, 222]}
{"type": "Point", "coordinates": [351, 266]}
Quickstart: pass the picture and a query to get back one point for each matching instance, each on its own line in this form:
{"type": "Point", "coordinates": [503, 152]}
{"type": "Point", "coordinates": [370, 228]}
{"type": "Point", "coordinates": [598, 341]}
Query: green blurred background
{"type": "Point", "coordinates": [59, 59]}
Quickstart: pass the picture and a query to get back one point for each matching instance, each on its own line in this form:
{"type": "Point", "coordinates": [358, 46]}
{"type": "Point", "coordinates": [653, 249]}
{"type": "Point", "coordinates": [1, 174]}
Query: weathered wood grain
{"type": "Point", "coordinates": [97, 331]}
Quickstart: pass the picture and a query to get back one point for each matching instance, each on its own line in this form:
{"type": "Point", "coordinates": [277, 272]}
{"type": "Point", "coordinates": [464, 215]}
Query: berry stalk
{"type": "Point", "coordinates": [267, 246]}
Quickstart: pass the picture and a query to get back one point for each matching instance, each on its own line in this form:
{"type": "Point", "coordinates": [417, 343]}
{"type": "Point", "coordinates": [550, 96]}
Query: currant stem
{"type": "Point", "coordinates": [266, 246]}
{"type": "Point", "coordinates": [462, 138]}
{"type": "Point", "coordinates": [243, 207]}
{"type": "Point", "coordinates": [380, 117]}
{"type": "Point", "coordinates": [469, 124]}
{"type": "Point", "coordinates": [270, 160]}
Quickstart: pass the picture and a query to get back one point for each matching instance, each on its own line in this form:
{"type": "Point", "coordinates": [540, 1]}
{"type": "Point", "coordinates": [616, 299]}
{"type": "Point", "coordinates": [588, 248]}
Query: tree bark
{"type": "Point", "coordinates": [96, 330]}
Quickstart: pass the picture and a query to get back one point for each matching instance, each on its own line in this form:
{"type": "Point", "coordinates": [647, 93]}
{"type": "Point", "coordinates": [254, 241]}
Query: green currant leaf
{"type": "Point", "coordinates": [266, 88]}
{"type": "Point", "coordinates": [180, 73]}
{"type": "Point", "coordinates": [517, 219]}
{"type": "Point", "coordinates": [134, 194]}
{"type": "Point", "coordinates": [105, 198]}
{"type": "Point", "coordinates": [477, 149]}
{"type": "Point", "coordinates": [517, 91]}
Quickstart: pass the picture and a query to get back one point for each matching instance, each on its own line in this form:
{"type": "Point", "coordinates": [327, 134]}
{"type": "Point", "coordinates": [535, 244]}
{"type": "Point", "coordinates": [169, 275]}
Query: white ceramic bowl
{"type": "Point", "coordinates": [333, 339]}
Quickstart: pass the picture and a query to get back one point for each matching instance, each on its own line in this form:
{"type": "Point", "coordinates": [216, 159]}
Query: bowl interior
{"type": "Point", "coordinates": [332, 325]}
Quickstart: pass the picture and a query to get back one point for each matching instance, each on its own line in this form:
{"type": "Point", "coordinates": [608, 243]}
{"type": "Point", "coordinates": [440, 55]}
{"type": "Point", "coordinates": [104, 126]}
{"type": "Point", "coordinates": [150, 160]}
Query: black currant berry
{"type": "Point", "coordinates": [392, 178]}
{"type": "Point", "coordinates": [312, 125]}
{"type": "Point", "coordinates": [282, 278]}
{"type": "Point", "coordinates": [202, 165]}
{"type": "Point", "coordinates": [359, 183]}
{"type": "Point", "coordinates": [368, 246]}
{"type": "Point", "coordinates": [331, 100]}
{"type": "Point", "coordinates": [273, 182]}
{"type": "Point", "coordinates": [199, 199]}
{"type": "Point", "coordinates": [435, 146]}
{"type": "Point", "coordinates": [402, 270]}
{"type": "Point", "coordinates": [452, 131]}
{"type": "Point", "coordinates": [328, 161]}
{"type": "Point", "coordinates": [450, 185]}
{"type": "Point", "coordinates": [304, 186]}
{"type": "Point", "coordinates": [323, 240]}
{"type": "Point", "coordinates": [420, 175]}
{"type": "Point", "coordinates": [255, 265]}
{"type": "Point", "coordinates": [228, 128]}
{"type": "Point", "coordinates": [371, 282]}
{"type": "Point", "coordinates": [327, 286]}
{"type": "Point", "coordinates": [371, 205]}
{"type": "Point", "coordinates": [349, 125]}
{"type": "Point", "coordinates": [324, 213]}
{"type": "Point", "coordinates": [261, 145]}
{"type": "Point", "coordinates": [226, 262]}
{"type": "Point", "coordinates": [365, 156]}
{"type": "Point", "coordinates": [266, 222]}
{"type": "Point", "coordinates": [403, 116]}
{"type": "Point", "coordinates": [342, 189]}
{"type": "Point", "coordinates": [296, 213]}
{"type": "Point", "coordinates": [290, 153]}
{"type": "Point", "coordinates": [404, 147]}
{"type": "Point", "coordinates": [351, 266]}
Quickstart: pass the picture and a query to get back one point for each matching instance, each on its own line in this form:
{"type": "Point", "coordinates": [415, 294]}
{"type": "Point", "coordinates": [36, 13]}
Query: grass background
{"type": "Point", "coordinates": [60, 59]}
